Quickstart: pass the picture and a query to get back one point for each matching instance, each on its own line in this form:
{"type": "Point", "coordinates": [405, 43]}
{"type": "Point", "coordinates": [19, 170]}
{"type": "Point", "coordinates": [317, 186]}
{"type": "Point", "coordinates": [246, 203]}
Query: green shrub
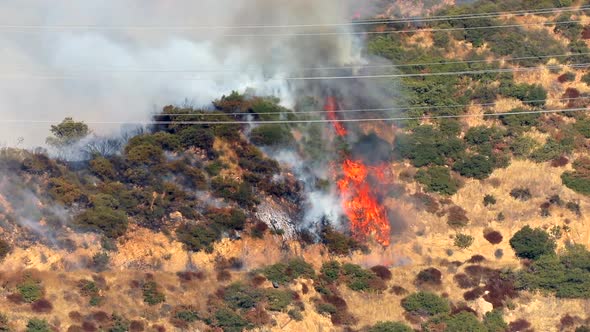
{"type": "Point", "coordinates": [30, 289]}
{"type": "Point", "coordinates": [110, 222]}
{"type": "Point", "coordinates": [144, 154]}
{"type": "Point", "coordinates": [38, 325]}
{"type": "Point", "coordinates": [338, 243]}
{"type": "Point", "coordinates": [464, 322]}
{"type": "Point", "coordinates": [64, 191]}
{"type": "Point", "coordinates": [489, 200]}
{"type": "Point", "coordinates": [331, 271]}
{"type": "Point", "coordinates": [566, 27]}
{"type": "Point", "coordinates": [197, 237]}
{"type": "Point", "coordinates": [164, 140]}
{"type": "Point", "coordinates": [438, 179]}
{"type": "Point", "coordinates": [586, 78]}
{"type": "Point", "coordinates": [517, 123]}
{"type": "Point", "coordinates": [188, 315]}
{"type": "Point", "coordinates": [295, 314]}
{"type": "Point", "coordinates": [553, 149]}
{"type": "Point", "coordinates": [522, 146]}
{"type": "Point", "coordinates": [583, 127]}
{"type": "Point", "coordinates": [229, 321]}
{"type": "Point", "coordinates": [463, 241]}
{"type": "Point", "coordinates": [282, 273]}
{"type": "Point", "coordinates": [390, 327]}
{"type": "Point", "coordinates": [230, 189]}
{"type": "Point", "coordinates": [475, 166]}
{"type": "Point", "coordinates": [532, 243]}
{"type": "Point", "coordinates": [326, 308]}
{"type": "Point", "coordinates": [359, 279]}
{"type": "Point", "coordinates": [428, 146]}
{"type": "Point", "coordinates": [152, 294]}
{"type": "Point", "coordinates": [566, 275]}
{"type": "Point", "coordinates": [103, 168]}
{"type": "Point", "coordinates": [579, 179]}
{"type": "Point", "coordinates": [271, 135]}
{"type": "Point", "coordinates": [197, 136]}
{"type": "Point", "coordinates": [278, 300]}
{"type": "Point", "coordinates": [241, 296]}
{"type": "Point", "coordinates": [100, 261]}
{"type": "Point", "coordinates": [426, 304]}
{"type": "Point", "coordinates": [227, 219]}
{"type": "Point", "coordinates": [4, 249]}
{"type": "Point", "coordinates": [494, 321]}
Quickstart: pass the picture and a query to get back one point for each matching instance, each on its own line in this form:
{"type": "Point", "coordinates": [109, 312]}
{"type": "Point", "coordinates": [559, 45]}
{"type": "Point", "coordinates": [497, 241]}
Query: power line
{"type": "Point", "coordinates": [364, 109]}
{"type": "Point", "coordinates": [283, 26]}
{"type": "Point", "coordinates": [392, 119]}
{"type": "Point", "coordinates": [345, 33]}
{"type": "Point", "coordinates": [133, 70]}
{"type": "Point", "coordinates": [307, 78]}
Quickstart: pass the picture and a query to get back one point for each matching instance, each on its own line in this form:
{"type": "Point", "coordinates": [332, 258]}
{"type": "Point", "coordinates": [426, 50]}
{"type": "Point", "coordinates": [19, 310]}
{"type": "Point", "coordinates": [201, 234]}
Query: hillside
{"type": "Point", "coordinates": [474, 194]}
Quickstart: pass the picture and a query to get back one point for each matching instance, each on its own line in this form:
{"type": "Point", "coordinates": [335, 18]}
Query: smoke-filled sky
{"type": "Point", "coordinates": [133, 96]}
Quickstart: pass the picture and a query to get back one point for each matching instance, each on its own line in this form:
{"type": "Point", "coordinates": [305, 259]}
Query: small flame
{"type": "Point", "coordinates": [367, 216]}
{"type": "Point", "coordinates": [330, 108]}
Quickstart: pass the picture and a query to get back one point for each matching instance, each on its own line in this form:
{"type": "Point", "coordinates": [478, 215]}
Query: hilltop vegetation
{"type": "Point", "coordinates": [476, 246]}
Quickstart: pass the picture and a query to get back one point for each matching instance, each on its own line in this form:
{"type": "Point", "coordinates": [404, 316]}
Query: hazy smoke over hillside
{"type": "Point", "coordinates": [133, 96]}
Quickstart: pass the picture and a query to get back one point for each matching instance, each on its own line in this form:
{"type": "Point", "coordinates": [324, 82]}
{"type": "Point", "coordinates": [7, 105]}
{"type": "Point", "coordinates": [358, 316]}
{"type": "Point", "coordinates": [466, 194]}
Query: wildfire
{"type": "Point", "coordinates": [367, 217]}
{"type": "Point", "coordinates": [330, 109]}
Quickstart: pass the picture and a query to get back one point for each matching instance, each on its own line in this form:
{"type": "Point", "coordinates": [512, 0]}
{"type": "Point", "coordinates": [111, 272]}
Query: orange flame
{"type": "Point", "coordinates": [367, 217]}
{"type": "Point", "coordinates": [330, 108]}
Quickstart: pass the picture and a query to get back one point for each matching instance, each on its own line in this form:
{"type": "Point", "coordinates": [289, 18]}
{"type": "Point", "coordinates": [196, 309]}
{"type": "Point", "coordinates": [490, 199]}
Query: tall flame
{"type": "Point", "coordinates": [366, 215]}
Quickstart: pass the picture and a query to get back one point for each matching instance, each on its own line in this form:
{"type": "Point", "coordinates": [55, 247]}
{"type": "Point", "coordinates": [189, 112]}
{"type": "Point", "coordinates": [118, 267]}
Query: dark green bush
{"type": "Point", "coordinates": [553, 149]}
{"type": "Point", "coordinates": [494, 321]}
{"type": "Point", "coordinates": [475, 166]}
{"type": "Point", "coordinates": [567, 27]}
{"type": "Point", "coordinates": [522, 146]}
{"type": "Point", "coordinates": [230, 189]}
{"type": "Point", "coordinates": [579, 179]}
{"type": "Point", "coordinates": [38, 325]}
{"type": "Point", "coordinates": [271, 135]}
{"type": "Point", "coordinates": [197, 237]}
{"type": "Point", "coordinates": [331, 271]}
{"type": "Point", "coordinates": [103, 168]}
{"type": "Point", "coordinates": [438, 179]}
{"type": "Point", "coordinates": [102, 219]}
{"type": "Point", "coordinates": [230, 321]}
{"type": "Point", "coordinates": [464, 322]}
{"type": "Point", "coordinates": [164, 140]}
{"type": "Point", "coordinates": [4, 249]}
{"type": "Point", "coordinates": [521, 194]}
{"type": "Point", "coordinates": [390, 327]}
{"type": "Point", "coordinates": [241, 296]}
{"type": "Point", "coordinates": [152, 294]}
{"type": "Point", "coordinates": [282, 273]}
{"type": "Point", "coordinates": [489, 200]}
{"type": "Point", "coordinates": [144, 154]}
{"type": "Point", "coordinates": [583, 127]}
{"type": "Point", "coordinates": [463, 241]}
{"type": "Point", "coordinates": [566, 275]}
{"type": "Point", "coordinates": [197, 136]}
{"type": "Point", "coordinates": [30, 289]}
{"type": "Point", "coordinates": [586, 78]}
{"type": "Point", "coordinates": [517, 123]}
{"type": "Point", "coordinates": [64, 191]}
{"type": "Point", "coordinates": [428, 146]}
{"type": "Point", "coordinates": [295, 314]}
{"type": "Point", "coordinates": [532, 243]}
{"type": "Point", "coordinates": [426, 304]}
{"type": "Point", "coordinates": [227, 219]}
{"type": "Point", "coordinates": [338, 243]}
{"type": "Point", "coordinates": [326, 308]}
{"type": "Point", "coordinates": [278, 300]}
{"type": "Point", "coordinates": [359, 279]}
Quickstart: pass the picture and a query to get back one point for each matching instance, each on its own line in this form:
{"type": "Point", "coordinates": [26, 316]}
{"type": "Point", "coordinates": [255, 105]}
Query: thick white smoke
{"type": "Point", "coordinates": [119, 97]}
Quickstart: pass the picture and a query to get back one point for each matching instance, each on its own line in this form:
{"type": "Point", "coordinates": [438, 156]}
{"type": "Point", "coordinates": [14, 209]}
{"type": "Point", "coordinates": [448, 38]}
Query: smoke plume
{"type": "Point", "coordinates": [233, 58]}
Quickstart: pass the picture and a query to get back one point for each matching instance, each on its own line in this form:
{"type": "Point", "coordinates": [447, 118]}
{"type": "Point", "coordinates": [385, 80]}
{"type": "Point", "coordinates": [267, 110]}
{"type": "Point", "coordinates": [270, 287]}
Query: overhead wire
{"type": "Point", "coordinates": [508, 59]}
{"type": "Point", "coordinates": [393, 119]}
{"type": "Point", "coordinates": [552, 10]}
{"type": "Point", "coordinates": [340, 33]}
{"type": "Point", "coordinates": [306, 78]}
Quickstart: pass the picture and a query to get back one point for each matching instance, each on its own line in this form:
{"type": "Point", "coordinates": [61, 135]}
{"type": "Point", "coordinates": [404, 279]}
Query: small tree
{"type": "Point", "coordinates": [68, 132]}
{"type": "Point", "coordinates": [532, 243]}
{"type": "Point", "coordinates": [463, 241]}
{"type": "Point", "coordinates": [390, 327]}
{"type": "Point", "coordinates": [425, 303]}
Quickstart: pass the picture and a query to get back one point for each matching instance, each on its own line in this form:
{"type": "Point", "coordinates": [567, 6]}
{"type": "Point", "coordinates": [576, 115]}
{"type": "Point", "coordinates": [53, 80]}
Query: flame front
{"type": "Point", "coordinates": [366, 215]}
